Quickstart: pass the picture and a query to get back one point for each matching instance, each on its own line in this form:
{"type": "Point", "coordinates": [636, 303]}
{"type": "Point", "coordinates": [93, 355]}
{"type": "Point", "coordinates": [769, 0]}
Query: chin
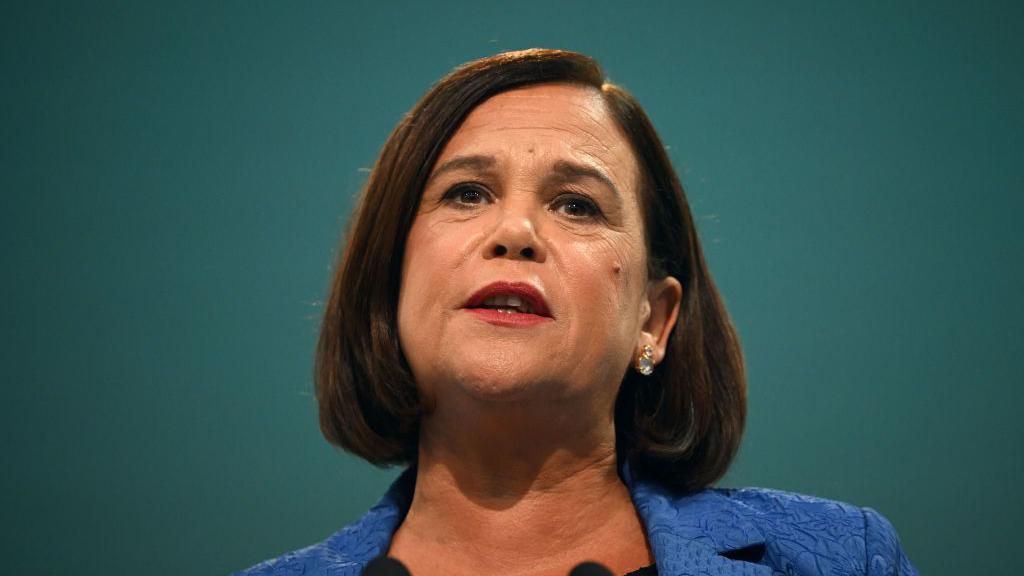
{"type": "Point", "coordinates": [487, 370]}
{"type": "Point", "coordinates": [487, 386]}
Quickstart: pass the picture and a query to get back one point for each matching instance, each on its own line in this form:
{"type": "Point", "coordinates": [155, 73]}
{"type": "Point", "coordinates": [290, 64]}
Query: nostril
{"type": "Point", "coordinates": [527, 252]}
{"type": "Point", "coordinates": [500, 250]}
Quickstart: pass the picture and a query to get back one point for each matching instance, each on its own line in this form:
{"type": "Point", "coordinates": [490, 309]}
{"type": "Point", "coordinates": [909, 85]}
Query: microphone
{"type": "Point", "coordinates": [590, 569]}
{"type": "Point", "coordinates": [385, 566]}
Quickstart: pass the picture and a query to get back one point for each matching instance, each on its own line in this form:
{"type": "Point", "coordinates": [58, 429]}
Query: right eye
{"type": "Point", "coordinates": [465, 195]}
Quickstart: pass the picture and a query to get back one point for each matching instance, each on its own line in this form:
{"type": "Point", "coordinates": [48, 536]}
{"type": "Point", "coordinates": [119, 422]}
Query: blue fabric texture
{"type": "Point", "coordinates": [714, 532]}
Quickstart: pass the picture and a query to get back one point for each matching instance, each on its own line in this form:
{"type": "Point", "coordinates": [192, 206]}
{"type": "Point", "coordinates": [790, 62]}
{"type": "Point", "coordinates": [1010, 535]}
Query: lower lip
{"type": "Point", "coordinates": [511, 320]}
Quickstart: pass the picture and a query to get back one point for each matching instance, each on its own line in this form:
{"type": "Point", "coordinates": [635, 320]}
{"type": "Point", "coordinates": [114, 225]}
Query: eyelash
{"type": "Point", "coordinates": [454, 196]}
{"type": "Point", "coordinates": [593, 211]}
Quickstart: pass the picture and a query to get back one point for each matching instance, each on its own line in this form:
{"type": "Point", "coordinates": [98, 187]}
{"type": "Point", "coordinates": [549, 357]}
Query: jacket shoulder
{"type": "Point", "coordinates": [295, 562]}
{"type": "Point", "coordinates": [819, 535]}
{"type": "Point", "coordinates": [332, 556]}
{"type": "Point", "coordinates": [343, 553]}
{"type": "Point", "coordinates": [794, 506]}
{"type": "Point", "coordinates": [348, 550]}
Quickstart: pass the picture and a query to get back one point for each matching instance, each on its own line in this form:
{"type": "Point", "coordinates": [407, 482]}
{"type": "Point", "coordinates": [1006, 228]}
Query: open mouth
{"type": "Point", "coordinates": [503, 302]}
{"type": "Point", "coordinates": [509, 304]}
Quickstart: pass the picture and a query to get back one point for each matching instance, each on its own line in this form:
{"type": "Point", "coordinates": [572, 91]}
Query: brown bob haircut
{"type": "Point", "coordinates": [682, 425]}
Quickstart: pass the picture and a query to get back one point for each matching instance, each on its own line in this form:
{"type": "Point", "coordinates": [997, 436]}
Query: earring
{"type": "Point", "coordinates": [645, 361]}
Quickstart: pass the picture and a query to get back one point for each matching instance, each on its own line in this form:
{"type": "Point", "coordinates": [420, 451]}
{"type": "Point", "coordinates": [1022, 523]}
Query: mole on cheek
{"type": "Point", "coordinates": [616, 269]}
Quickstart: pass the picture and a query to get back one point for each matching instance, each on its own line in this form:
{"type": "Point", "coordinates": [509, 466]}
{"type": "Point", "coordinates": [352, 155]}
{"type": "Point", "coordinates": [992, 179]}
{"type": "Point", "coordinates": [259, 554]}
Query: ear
{"type": "Point", "coordinates": [663, 300]}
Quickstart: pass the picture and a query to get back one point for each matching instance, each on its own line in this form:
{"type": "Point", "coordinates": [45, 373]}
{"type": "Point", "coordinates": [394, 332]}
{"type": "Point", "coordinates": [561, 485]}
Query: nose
{"type": "Point", "coordinates": [515, 236]}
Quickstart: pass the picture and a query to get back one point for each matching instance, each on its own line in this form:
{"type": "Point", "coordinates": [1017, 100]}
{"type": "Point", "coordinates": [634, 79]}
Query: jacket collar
{"type": "Point", "coordinates": [703, 532]}
{"type": "Point", "coordinates": [698, 533]}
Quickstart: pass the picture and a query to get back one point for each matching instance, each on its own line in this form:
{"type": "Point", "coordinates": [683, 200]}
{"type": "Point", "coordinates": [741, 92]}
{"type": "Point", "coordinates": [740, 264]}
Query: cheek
{"type": "Point", "coordinates": [606, 278]}
{"type": "Point", "coordinates": [429, 256]}
{"type": "Point", "coordinates": [603, 280]}
{"type": "Point", "coordinates": [417, 283]}
{"type": "Point", "coordinates": [434, 257]}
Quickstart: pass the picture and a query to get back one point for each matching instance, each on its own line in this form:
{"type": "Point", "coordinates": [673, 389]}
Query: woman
{"type": "Point", "coordinates": [523, 316]}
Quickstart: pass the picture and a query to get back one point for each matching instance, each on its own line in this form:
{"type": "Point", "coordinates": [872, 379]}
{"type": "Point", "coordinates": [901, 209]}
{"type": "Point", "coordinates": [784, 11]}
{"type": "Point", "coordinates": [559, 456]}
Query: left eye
{"type": "Point", "coordinates": [465, 195]}
{"type": "Point", "coordinates": [577, 206]}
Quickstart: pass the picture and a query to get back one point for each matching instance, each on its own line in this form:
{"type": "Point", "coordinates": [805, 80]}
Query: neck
{"type": "Point", "coordinates": [502, 489]}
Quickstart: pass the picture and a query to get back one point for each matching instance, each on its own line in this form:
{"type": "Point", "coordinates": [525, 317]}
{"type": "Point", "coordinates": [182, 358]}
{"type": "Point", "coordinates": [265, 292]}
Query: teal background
{"type": "Point", "coordinates": [175, 178]}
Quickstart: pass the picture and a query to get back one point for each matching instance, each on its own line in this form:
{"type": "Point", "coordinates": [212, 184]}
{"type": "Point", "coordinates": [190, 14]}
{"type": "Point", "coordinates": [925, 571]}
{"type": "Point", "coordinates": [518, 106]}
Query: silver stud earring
{"type": "Point", "coordinates": [645, 361]}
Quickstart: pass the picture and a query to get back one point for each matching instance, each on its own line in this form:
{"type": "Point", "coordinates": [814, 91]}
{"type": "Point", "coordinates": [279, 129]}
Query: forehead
{"type": "Point", "coordinates": [547, 122]}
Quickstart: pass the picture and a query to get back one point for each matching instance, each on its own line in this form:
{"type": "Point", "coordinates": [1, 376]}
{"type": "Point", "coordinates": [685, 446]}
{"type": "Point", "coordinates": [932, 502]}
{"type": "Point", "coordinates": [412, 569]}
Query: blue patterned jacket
{"type": "Point", "coordinates": [720, 532]}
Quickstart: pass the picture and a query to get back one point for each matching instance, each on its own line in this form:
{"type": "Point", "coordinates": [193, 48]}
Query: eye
{"type": "Point", "coordinates": [465, 195]}
{"type": "Point", "coordinates": [577, 206]}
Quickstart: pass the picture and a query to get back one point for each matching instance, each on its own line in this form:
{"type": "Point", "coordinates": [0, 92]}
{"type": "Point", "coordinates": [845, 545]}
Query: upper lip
{"type": "Point", "coordinates": [523, 290]}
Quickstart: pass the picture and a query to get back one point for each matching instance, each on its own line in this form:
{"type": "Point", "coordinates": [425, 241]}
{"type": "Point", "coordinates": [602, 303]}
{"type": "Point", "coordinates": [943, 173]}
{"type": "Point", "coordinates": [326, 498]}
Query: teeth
{"type": "Point", "coordinates": [496, 301]}
{"type": "Point", "coordinates": [508, 301]}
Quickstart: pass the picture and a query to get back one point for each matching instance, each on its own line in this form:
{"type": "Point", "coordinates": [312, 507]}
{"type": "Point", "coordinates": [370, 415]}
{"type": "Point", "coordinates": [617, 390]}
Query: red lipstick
{"type": "Point", "coordinates": [512, 304]}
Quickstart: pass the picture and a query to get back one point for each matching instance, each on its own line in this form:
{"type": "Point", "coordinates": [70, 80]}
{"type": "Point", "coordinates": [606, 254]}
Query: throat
{"type": "Point", "coordinates": [461, 525]}
{"type": "Point", "coordinates": [526, 539]}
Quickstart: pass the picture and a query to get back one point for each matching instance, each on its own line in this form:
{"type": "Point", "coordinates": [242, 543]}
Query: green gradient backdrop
{"type": "Point", "coordinates": [175, 179]}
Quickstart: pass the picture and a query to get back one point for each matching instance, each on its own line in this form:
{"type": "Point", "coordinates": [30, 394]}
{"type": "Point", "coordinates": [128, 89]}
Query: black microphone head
{"type": "Point", "coordinates": [590, 569]}
{"type": "Point", "coordinates": [385, 566]}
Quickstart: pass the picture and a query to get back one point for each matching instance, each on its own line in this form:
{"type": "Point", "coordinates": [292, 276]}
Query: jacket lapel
{"type": "Point", "coordinates": [702, 533]}
{"type": "Point", "coordinates": [350, 549]}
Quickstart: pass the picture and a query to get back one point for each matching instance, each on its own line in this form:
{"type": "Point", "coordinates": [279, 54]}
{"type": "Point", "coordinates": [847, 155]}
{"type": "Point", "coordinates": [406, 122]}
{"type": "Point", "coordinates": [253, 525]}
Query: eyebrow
{"type": "Point", "coordinates": [569, 171]}
{"type": "Point", "coordinates": [572, 171]}
{"type": "Point", "coordinates": [473, 162]}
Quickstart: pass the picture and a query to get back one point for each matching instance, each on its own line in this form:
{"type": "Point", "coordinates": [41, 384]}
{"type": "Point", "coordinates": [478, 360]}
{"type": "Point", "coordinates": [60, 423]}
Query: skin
{"type": "Point", "coordinates": [517, 469]}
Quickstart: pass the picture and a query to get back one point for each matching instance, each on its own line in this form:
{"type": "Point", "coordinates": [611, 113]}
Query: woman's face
{"type": "Point", "coordinates": [532, 205]}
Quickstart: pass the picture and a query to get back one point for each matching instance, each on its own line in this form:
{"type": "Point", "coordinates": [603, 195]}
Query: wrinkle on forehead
{"type": "Point", "coordinates": [576, 116]}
